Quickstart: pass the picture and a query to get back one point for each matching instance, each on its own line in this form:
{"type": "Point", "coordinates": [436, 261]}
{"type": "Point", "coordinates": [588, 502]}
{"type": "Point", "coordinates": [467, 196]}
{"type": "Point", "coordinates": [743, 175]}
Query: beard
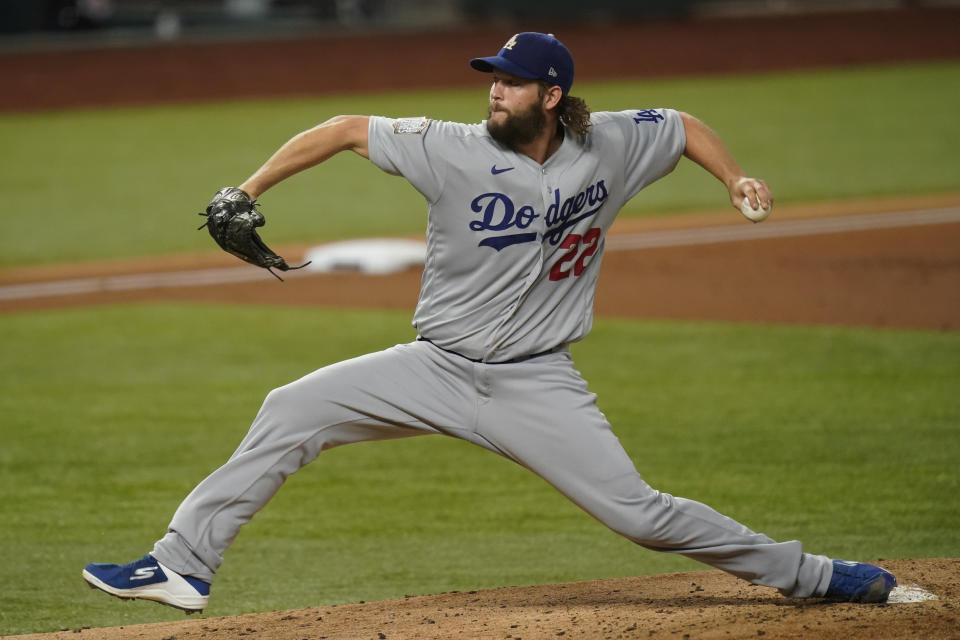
{"type": "Point", "coordinates": [518, 128]}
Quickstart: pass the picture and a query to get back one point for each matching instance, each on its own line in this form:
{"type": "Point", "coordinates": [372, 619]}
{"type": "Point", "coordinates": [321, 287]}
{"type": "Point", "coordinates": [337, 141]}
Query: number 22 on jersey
{"type": "Point", "coordinates": [578, 251]}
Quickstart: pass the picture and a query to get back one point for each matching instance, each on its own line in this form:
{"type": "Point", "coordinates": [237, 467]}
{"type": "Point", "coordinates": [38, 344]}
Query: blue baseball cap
{"type": "Point", "coordinates": [532, 55]}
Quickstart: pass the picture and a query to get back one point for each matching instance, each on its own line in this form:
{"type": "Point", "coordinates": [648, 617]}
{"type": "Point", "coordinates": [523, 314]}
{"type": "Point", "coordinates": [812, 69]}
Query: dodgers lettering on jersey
{"type": "Point", "coordinates": [514, 247]}
{"type": "Point", "coordinates": [500, 213]}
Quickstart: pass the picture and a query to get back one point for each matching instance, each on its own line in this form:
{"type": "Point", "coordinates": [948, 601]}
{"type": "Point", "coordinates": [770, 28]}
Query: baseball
{"type": "Point", "coordinates": [756, 215]}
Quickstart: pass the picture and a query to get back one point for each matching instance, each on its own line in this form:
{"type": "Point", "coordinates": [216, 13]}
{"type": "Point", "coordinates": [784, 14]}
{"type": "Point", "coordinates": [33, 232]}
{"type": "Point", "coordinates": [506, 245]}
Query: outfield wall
{"type": "Point", "coordinates": [334, 62]}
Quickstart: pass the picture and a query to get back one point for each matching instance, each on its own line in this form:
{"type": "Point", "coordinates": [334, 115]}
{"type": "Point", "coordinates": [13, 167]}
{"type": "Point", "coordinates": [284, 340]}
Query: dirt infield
{"type": "Point", "coordinates": [886, 277]}
{"type": "Point", "coordinates": [703, 605]}
{"type": "Point", "coordinates": [894, 277]}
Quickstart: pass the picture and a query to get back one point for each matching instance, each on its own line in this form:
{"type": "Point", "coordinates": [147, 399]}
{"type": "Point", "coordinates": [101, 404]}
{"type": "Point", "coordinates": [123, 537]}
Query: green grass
{"type": "Point", "coordinates": [843, 438]}
{"type": "Point", "coordinates": [88, 185]}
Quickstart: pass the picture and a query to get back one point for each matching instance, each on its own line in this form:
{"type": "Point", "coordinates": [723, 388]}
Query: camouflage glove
{"type": "Point", "coordinates": [232, 219]}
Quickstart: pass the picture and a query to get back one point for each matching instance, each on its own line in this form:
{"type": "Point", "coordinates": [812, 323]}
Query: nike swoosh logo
{"type": "Point", "coordinates": [496, 171]}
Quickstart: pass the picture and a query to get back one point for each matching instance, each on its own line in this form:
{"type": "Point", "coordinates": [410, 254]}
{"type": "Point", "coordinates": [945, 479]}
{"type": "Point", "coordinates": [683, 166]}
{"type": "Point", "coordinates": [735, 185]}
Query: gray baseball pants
{"type": "Point", "coordinates": [538, 413]}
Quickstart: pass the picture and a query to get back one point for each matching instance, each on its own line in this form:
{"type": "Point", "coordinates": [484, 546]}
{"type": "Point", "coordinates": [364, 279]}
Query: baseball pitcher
{"type": "Point", "coordinates": [519, 210]}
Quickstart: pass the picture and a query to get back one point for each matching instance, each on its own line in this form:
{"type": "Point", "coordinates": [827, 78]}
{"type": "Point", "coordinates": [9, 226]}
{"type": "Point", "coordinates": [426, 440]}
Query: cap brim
{"type": "Point", "coordinates": [498, 62]}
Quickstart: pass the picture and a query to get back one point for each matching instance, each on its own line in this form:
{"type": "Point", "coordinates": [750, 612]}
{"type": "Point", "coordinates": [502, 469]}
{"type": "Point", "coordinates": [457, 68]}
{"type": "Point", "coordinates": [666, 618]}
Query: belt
{"type": "Point", "coordinates": [561, 347]}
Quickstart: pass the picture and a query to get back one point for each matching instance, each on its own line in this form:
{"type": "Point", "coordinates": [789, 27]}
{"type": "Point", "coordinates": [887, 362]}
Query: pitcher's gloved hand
{"type": "Point", "coordinates": [232, 220]}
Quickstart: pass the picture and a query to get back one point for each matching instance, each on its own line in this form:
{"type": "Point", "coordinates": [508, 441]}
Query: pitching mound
{"type": "Point", "coordinates": [697, 605]}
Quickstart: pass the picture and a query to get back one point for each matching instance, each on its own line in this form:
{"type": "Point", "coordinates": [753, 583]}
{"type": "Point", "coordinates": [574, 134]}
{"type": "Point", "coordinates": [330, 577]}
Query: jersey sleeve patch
{"type": "Point", "coordinates": [648, 115]}
{"type": "Point", "coordinates": [414, 126]}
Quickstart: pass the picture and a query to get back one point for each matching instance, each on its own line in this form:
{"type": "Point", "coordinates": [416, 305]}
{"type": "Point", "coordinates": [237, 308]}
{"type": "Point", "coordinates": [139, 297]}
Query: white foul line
{"type": "Point", "coordinates": [195, 278]}
{"type": "Point", "coordinates": [614, 242]}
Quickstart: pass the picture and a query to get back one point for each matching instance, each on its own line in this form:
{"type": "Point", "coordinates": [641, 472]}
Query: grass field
{"type": "Point", "coordinates": [843, 438]}
{"type": "Point", "coordinates": [90, 185]}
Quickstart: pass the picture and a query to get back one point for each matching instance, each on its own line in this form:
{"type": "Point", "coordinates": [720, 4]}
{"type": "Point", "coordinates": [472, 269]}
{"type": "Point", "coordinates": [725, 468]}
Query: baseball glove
{"type": "Point", "coordinates": [232, 220]}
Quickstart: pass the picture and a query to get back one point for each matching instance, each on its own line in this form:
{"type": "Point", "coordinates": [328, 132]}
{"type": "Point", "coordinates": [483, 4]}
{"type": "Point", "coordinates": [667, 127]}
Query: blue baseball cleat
{"type": "Point", "coordinates": [859, 582]}
{"type": "Point", "coordinates": [147, 579]}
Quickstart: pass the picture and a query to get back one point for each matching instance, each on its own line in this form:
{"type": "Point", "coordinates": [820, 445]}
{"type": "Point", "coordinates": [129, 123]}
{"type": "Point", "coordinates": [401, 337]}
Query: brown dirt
{"type": "Point", "coordinates": [901, 277]}
{"type": "Point", "coordinates": [704, 605]}
{"type": "Point", "coordinates": [906, 277]}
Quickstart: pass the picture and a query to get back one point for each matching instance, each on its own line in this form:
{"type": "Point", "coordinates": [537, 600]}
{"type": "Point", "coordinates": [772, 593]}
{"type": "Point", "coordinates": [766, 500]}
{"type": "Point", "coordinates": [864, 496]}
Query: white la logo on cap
{"type": "Point", "coordinates": [552, 72]}
{"type": "Point", "coordinates": [512, 42]}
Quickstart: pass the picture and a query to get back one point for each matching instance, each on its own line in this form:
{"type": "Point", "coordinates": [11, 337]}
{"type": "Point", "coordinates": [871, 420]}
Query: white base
{"type": "Point", "coordinates": [374, 256]}
{"type": "Point", "coordinates": [909, 593]}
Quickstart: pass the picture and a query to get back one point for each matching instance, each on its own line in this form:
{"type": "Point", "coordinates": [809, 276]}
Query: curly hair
{"type": "Point", "coordinates": [572, 112]}
{"type": "Point", "coordinates": [575, 115]}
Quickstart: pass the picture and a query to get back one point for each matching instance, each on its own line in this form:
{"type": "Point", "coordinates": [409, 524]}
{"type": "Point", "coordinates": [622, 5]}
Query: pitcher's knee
{"type": "Point", "coordinates": [292, 407]}
{"type": "Point", "coordinates": [642, 521]}
{"type": "Point", "coordinates": [281, 398]}
{"type": "Point", "coordinates": [635, 529]}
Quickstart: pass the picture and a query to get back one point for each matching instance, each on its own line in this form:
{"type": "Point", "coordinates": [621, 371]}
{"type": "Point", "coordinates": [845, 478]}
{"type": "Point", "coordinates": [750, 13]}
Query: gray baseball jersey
{"type": "Point", "coordinates": [514, 248]}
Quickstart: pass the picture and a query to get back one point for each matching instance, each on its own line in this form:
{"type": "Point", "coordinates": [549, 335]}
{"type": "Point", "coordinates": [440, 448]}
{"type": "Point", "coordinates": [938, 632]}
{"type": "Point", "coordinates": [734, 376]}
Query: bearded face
{"type": "Point", "coordinates": [519, 126]}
